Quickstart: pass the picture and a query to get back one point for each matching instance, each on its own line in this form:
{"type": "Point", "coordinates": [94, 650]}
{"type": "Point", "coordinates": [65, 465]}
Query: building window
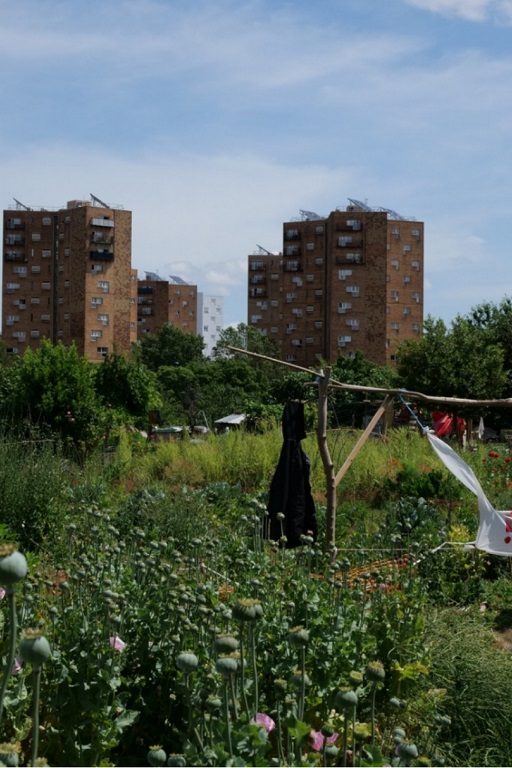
{"type": "Point", "coordinates": [416, 297]}
{"type": "Point", "coordinates": [21, 271]}
{"type": "Point", "coordinates": [343, 340]}
{"type": "Point", "coordinates": [415, 233]}
{"type": "Point", "coordinates": [46, 253]}
{"type": "Point", "coordinates": [406, 311]}
{"type": "Point", "coordinates": [102, 351]}
{"type": "Point", "coordinates": [12, 286]}
{"type": "Point", "coordinates": [344, 273]}
{"type": "Point", "coordinates": [395, 263]}
{"type": "Point", "coordinates": [344, 240]}
{"type": "Point", "coordinates": [35, 334]}
{"type": "Point", "coordinates": [96, 334]}
{"type": "Point", "coordinates": [35, 269]}
{"type": "Point", "coordinates": [407, 248]}
{"type": "Point", "coordinates": [103, 319]}
{"type": "Point", "coordinates": [104, 286]}
{"type": "Point", "coordinates": [45, 318]}
{"type": "Point", "coordinates": [46, 221]}
{"type": "Point", "coordinates": [395, 295]}
{"type": "Point", "coordinates": [45, 286]}
{"type": "Point", "coordinates": [344, 306]}
{"type": "Point", "coordinates": [96, 301]}
{"type": "Point", "coordinates": [319, 230]}
{"type": "Point", "coordinates": [353, 323]}
{"type": "Point", "coordinates": [310, 246]}
{"type": "Point", "coordinates": [395, 326]}
{"type": "Point", "coordinates": [353, 289]}
{"type": "Point", "coordinates": [415, 265]}
{"type": "Point", "coordinates": [36, 237]}
{"type": "Point", "coordinates": [291, 234]}
{"type": "Point", "coordinates": [407, 279]}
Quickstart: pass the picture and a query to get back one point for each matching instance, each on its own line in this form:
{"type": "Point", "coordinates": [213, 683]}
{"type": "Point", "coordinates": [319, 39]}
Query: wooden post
{"type": "Point", "coordinates": [330, 481]}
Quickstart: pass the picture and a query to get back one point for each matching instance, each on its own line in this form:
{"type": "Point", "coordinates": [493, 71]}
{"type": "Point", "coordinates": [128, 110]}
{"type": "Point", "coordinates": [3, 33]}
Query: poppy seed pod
{"type": "Point", "coordinates": [9, 754]}
{"type": "Point", "coordinates": [225, 644]}
{"type": "Point", "coordinates": [187, 662]}
{"type": "Point", "coordinates": [407, 752]}
{"type": "Point", "coordinates": [226, 666]}
{"type": "Point", "coordinates": [346, 700]}
{"type": "Point", "coordinates": [375, 671]}
{"type": "Point", "coordinates": [13, 565]}
{"type": "Point", "coordinates": [35, 648]}
{"type": "Point", "coordinates": [177, 760]}
{"type": "Point", "coordinates": [156, 755]}
{"type": "Point", "coordinates": [298, 636]}
{"type": "Point", "coordinates": [247, 609]}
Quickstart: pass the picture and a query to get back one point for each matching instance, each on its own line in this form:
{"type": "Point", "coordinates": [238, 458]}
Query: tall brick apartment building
{"type": "Point", "coordinates": [162, 302]}
{"type": "Point", "coordinates": [351, 281]}
{"type": "Point", "coordinates": [67, 276]}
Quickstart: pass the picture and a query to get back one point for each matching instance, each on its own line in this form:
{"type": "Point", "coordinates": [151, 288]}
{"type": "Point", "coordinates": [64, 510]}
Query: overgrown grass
{"type": "Point", "coordinates": [475, 674]}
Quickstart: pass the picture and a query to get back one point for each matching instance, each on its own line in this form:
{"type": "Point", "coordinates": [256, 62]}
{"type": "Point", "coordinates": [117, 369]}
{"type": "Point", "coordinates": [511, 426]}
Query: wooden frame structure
{"type": "Point", "coordinates": [325, 381]}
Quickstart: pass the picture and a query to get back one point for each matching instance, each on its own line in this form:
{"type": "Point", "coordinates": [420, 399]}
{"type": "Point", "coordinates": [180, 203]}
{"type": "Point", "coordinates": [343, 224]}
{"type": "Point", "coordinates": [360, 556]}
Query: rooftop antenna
{"type": "Point", "coordinates": [21, 205]}
{"type": "Point", "coordinates": [98, 201]}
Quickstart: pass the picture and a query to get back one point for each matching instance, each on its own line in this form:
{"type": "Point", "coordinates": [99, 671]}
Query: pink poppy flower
{"type": "Point", "coordinates": [16, 666]}
{"type": "Point", "coordinates": [264, 721]}
{"type": "Point", "coordinates": [116, 643]}
{"type": "Point", "coordinates": [317, 740]}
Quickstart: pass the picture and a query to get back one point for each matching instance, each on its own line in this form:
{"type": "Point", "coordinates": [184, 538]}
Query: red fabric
{"type": "Point", "coordinates": [444, 423]}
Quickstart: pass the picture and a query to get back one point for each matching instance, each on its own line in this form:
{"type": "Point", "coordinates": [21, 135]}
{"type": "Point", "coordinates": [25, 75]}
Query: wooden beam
{"type": "Point", "coordinates": [408, 394]}
{"type": "Point", "coordinates": [362, 440]}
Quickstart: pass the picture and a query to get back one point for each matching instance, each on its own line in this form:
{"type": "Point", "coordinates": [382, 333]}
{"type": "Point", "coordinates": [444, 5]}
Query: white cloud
{"type": "Point", "coordinates": [197, 216]}
{"type": "Point", "coordinates": [470, 10]}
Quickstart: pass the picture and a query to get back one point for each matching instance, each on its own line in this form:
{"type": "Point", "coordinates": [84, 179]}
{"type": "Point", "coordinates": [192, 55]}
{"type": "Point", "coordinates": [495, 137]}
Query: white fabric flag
{"type": "Point", "coordinates": [495, 529]}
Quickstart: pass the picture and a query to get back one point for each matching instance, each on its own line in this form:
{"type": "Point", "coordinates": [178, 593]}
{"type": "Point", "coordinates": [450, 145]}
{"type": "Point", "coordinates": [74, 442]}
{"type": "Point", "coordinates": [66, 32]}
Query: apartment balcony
{"type": "Point", "coordinates": [102, 238]}
{"type": "Point", "coordinates": [14, 224]}
{"type": "Point", "coordinates": [144, 290]}
{"type": "Point", "coordinates": [14, 240]}
{"type": "Point", "coordinates": [102, 222]}
{"type": "Point", "coordinates": [104, 255]}
{"type": "Point", "coordinates": [18, 256]}
{"type": "Point", "coordinates": [257, 266]}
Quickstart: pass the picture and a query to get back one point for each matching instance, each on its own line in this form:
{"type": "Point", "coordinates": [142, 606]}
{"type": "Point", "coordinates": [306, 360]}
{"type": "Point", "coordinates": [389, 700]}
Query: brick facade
{"type": "Point", "coordinates": [352, 281]}
{"type": "Point", "coordinates": [67, 277]}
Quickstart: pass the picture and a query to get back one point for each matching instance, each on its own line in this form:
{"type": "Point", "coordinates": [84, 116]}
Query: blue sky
{"type": "Point", "coordinates": [216, 120]}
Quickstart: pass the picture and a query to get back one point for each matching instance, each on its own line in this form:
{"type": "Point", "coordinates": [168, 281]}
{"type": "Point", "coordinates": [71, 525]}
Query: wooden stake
{"type": "Point", "coordinates": [362, 440]}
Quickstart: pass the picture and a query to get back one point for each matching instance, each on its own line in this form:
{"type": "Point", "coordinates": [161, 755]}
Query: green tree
{"type": "Point", "coordinates": [348, 405]}
{"type": "Point", "coordinates": [247, 337]}
{"type": "Point", "coordinates": [169, 346]}
{"type": "Point", "coordinates": [496, 321]}
{"type": "Point", "coordinates": [462, 361]}
{"type": "Point", "coordinates": [127, 385]}
{"type": "Point", "coordinates": [55, 393]}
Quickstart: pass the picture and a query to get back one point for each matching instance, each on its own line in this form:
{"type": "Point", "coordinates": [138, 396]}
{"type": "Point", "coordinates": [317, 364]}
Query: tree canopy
{"type": "Point", "coordinates": [169, 346]}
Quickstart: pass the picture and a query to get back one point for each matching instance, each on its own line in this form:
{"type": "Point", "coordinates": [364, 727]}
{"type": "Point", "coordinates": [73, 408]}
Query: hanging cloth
{"type": "Point", "coordinates": [290, 489]}
{"type": "Point", "coordinates": [495, 529]}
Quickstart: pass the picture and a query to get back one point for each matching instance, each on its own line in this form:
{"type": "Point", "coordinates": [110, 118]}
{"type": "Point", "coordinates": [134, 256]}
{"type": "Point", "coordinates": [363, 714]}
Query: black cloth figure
{"type": "Point", "coordinates": [290, 489]}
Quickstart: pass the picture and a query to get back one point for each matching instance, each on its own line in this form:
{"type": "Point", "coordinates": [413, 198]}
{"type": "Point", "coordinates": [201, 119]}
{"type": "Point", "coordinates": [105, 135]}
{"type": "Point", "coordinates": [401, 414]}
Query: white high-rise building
{"type": "Point", "coordinates": [210, 320]}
